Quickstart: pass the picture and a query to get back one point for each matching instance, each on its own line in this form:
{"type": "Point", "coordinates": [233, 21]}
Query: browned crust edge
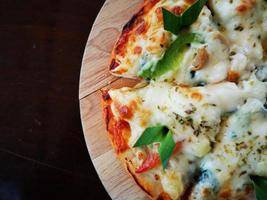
{"type": "Point", "coordinates": [136, 178]}
{"type": "Point", "coordinates": [110, 124]}
{"type": "Point", "coordinates": [152, 193]}
{"type": "Point", "coordinates": [128, 28]}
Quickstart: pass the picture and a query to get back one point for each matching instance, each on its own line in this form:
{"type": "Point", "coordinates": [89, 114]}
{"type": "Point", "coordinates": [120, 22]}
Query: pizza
{"type": "Point", "coordinates": [195, 127]}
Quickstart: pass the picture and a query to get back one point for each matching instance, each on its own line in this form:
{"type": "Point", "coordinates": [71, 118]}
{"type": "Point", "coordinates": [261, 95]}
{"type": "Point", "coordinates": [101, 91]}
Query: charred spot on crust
{"type": "Point", "coordinates": [105, 95]}
{"type": "Point", "coordinates": [136, 180]}
{"type": "Point", "coordinates": [123, 39]}
{"type": "Point", "coordinates": [141, 28]}
{"type": "Point", "coordinates": [113, 64]}
{"type": "Point", "coordinates": [133, 21]}
{"type": "Point", "coordinates": [106, 107]}
{"type": "Point", "coordinates": [107, 116]}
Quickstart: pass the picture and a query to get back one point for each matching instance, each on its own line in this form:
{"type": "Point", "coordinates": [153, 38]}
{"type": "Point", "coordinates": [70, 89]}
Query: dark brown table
{"type": "Point", "coordinates": [42, 149]}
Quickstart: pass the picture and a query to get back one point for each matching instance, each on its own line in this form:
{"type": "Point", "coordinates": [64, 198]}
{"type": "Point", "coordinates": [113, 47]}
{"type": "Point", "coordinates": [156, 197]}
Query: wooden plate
{"type": "Point", "coordinates": [95, 76]}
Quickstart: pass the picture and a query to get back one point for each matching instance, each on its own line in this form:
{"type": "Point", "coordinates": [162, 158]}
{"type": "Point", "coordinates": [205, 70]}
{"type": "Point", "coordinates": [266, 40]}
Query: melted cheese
{"type": "Point", "coordinates": [216, 67]}
{"type": "Point", "coordinates": [193, 114]}
{"type": "Point", "coordinates": [172, 183]}
{"type": "Point", "coordinates": [241, 152]}
{"type": "Point", "coordinates": [245, 28]}
{"type": "Point", "coordinates": [201, 104]}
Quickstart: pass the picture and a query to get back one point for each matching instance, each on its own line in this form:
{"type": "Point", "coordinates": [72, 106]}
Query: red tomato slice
{"type": "Point", "coordinates": [178, 147]}
{"type": "Point", "coordinates": [152, 160]}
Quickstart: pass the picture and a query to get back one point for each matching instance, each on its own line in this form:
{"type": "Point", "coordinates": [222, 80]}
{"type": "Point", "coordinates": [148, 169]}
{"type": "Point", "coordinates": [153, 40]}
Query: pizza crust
{"type": "Point", "coordinates": [132, 25]}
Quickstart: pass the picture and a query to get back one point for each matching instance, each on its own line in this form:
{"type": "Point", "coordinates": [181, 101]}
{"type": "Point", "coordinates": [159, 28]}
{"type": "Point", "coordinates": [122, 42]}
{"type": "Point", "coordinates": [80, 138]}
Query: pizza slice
{"type": "Point", "coordinates": [144, 43]}
{"type": "Point", "coordinates": [162, 130]}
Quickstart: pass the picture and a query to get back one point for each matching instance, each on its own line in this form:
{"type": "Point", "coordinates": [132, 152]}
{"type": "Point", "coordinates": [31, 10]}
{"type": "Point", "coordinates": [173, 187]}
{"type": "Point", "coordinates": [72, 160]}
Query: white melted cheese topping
{"type": "Point", "coordinates": [193, 114]}
{"type": "Point", "coordinates": [164, 103]}
{"type": "Point", "coordinates": [216, 67]}
{"type": "Point", "coordinates": [242, 151]}
{"type": "Point", "coordinates": [245, 30]}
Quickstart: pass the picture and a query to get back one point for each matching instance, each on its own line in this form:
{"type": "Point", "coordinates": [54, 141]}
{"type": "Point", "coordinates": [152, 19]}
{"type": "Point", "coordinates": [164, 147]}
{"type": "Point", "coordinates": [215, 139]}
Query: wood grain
{"type": "Point", "coordinates": [104, 34]}
{"type": "Point", "coordinates": [95, 76]}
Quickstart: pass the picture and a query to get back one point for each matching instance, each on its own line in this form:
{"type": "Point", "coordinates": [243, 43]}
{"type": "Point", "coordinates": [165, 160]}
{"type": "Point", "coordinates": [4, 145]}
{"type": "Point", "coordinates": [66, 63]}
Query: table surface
{"type": "Point", "coordinates": [42, 150]}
